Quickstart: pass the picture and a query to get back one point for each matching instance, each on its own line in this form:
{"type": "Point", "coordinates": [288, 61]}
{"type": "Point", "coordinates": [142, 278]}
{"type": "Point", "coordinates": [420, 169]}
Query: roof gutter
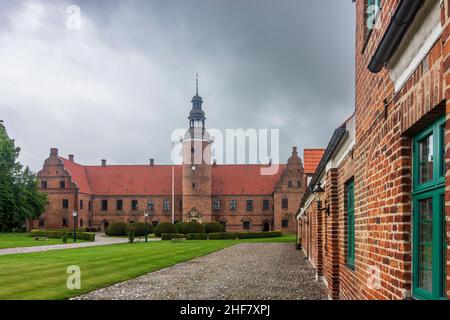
{"type": "Point", "coordinates": [403, 17]}
{"type": "Point", "coordinates": [332, 145]}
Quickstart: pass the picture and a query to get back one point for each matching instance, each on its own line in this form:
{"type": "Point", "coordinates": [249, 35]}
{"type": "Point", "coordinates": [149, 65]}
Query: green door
{"type": "Point", "coordinates": [429, 241]}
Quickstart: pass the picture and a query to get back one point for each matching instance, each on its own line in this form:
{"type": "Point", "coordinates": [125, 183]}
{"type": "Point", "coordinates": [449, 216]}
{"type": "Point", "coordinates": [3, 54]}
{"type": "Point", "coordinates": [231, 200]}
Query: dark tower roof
{"type": "Point", "coordinates": [197, 114]}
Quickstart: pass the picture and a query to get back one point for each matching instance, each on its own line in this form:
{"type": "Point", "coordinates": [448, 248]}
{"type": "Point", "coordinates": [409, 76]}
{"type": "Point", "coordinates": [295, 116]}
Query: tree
{"type": "Point", "coordinates": [20, 198]}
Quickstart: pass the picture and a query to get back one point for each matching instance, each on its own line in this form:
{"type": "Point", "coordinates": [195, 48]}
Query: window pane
{"type": "Point", "coordinates": [426, 160]}
{"type": "Point", "coordinates": [425, 250]}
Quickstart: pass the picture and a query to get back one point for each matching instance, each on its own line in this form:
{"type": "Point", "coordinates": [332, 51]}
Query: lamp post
{"type": "Point", "coordinates": [146, 225]}
{"type": "Point", "coordinates": [75, 222]}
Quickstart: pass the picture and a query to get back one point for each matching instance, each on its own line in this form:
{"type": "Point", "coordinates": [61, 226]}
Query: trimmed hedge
{"type": "Point", "coordinates": [165, 227]}
{"type": "Point", "coordinates": [180, 225]}
{"type": "Point", "coordinates": [139, 228]}
{"type": "Point", "coordinates": [223, 236]}
{"type": "Point", "coordinates": [58, 234]}
{"type": "Point", "coordinates": [193, 227]}
{"type": "Point", "coordinates": [259, 235]}
{"type": "Point", "coordinates": [170, 236]}
{"type": "Point", "coordinates": [196, 236]}
{"type": "Point", "coordinates": [213, 227]}
{"type": "Point", "coordinates": [116, 228]}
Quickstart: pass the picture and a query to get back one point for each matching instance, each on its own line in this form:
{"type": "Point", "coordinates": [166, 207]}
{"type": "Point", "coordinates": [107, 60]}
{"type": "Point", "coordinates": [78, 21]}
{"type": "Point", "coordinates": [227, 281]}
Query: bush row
{"type": "Point", "coordinates": [170, 236]}
{"type": "Point", "coordinates": [222, 235]}
{"type": "Point", "coordinates": [257, 235]}
{"type": "Point", "coordinates": [58, 234]}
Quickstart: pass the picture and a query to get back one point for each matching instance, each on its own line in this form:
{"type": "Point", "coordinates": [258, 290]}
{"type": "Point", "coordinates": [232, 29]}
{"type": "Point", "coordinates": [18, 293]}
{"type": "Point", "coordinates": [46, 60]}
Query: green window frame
{"type": "Point", "coordinates": [351, 224]}
{"type": "Point", "coordinates": [429, 239]}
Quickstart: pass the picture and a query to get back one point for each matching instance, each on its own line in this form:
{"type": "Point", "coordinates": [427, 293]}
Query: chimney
{"type": "Point", "coordinates": [54, 152]}
{"type": "Point", "coordinates": [71, 157]}
{"type": "Point", "coordinates": [152, 162]}
{"type": "Point", "coordinates": [294, 151]}
{"type": "Point", "coordinates": [103, 162]}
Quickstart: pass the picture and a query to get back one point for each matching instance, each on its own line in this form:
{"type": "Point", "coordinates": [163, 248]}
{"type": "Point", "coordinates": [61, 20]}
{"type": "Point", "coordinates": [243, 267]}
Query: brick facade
{"type": "Point", "coordinates": [196, 190]}
{"type": "Point", "coordinates": [388, 114]}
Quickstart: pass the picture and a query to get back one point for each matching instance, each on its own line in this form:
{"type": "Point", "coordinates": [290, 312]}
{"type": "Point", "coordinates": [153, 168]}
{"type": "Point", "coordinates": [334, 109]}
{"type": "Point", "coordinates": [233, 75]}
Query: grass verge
{"type": "Point", "coordinates": [43, 275]}
{"type": "Point", "coordinates": [20, 240]}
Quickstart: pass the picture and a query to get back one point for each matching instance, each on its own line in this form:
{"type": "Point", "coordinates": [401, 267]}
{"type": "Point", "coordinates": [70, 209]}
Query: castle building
{"type": "Point", "coordinates": [375, 219]}
{"type": "Point", "coordinates": [238, 196]}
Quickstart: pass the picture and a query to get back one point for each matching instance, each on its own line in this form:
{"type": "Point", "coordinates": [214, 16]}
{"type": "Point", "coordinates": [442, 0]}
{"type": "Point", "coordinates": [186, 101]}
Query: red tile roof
{"type": "Point", "coordinates": [79, 176]}
{"type": "Point", "coordinates": [157, 180]}
{"type": "Point", "coordinates": [243, 179]}
{"type": "Point", "coordinates": [311, 159]}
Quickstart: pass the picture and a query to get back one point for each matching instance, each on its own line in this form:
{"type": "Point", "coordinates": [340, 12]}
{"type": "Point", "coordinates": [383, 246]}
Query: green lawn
{"type": "Point", "coordinates": [43, 275]}
{"type": "Point", "coordinates": [16, 240]}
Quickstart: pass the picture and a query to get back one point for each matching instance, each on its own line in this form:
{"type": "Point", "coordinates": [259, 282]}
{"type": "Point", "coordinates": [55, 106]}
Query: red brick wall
{"type": "Point", "coordinates": [331, 226]}
{"type": "Point", "coordinates": [234, 219]}
{"type": "Point", "coordinates": [129, 215]}
{"type": "Point", "coordinates": [293, 172]}
{"type": "Point", "coordinates": [383, 161]}
{"type": "Point", "coordinates": [197, 182]}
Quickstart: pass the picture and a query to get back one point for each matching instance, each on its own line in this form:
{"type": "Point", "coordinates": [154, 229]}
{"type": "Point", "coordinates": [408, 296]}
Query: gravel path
{"type": "Point", "coordinates": [100, 240]}
{"type": "Point", "coordinates": [245, 271]}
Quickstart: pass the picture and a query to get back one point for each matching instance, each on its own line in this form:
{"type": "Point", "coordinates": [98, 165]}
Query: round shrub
{"type": "Point", "coordinates": [193, 227]}
{"type": "Point", "coordinates": [164, 227]}
{"type": "Point", "coordinates": [180, 225]}
{"type": "Point", "coordinates": [213, 227]}
{"type": "Point", "coordinates": [139, 228]}
{"type": "Point", "coordinates": [117, 228]}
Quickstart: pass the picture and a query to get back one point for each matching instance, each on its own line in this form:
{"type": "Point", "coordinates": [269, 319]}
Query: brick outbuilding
{"type": "Point", "coordinates": [379, 227]}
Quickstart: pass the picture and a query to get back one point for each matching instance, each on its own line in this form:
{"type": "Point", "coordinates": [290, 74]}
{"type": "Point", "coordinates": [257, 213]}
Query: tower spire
{"type": "Point", "coordinates": [196, 84]}
{"type": "Point", "coordinates": [197, 115]}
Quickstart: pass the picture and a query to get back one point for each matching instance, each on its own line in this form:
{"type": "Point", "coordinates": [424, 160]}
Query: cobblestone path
{"type": "Point", "coordinates": [245, 271]}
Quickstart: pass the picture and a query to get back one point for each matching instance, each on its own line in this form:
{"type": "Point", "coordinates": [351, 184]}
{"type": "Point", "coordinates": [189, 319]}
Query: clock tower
{"type": "Point", "coordinates": [197, 165]}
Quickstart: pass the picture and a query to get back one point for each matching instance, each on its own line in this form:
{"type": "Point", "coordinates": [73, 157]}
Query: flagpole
{"type": "Point", "coordinates": [173, 193]}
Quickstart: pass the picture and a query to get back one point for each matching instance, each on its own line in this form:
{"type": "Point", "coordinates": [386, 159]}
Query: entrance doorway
{"type": "Point", "coordinates": [266, 227]}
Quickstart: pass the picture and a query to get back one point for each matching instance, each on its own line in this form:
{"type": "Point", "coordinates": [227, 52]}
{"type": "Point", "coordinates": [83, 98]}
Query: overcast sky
{"type": "Point", "coordinates": [119, 86]}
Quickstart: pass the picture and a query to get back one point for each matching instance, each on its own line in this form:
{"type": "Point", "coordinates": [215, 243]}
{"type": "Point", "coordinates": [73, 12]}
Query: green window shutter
{"type": "Point", "coordinates": [351, 224]}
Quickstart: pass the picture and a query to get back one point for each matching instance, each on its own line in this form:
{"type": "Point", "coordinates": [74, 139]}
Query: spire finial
{"type": "Point", "coordinates": [196, 84]}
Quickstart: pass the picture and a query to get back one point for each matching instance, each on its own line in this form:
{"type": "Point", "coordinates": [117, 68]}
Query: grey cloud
{"type": "Point", "coordinates": [117, 88]}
